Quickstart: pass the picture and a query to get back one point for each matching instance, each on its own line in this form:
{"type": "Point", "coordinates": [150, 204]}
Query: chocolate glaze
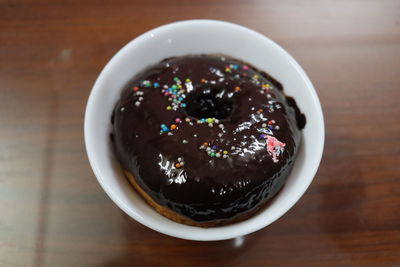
{"type": "Point", "coordinates": [206, 188]}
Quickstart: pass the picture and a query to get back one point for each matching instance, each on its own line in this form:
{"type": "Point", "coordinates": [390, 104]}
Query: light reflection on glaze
{"type": "Point", "coordinates": [177, 176]}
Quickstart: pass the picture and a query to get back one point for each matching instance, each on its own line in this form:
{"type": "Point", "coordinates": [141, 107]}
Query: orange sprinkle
{"type": "Point", "coordinates": [260, 110]}
{"type": "Point", "coordinates": [177, 165]}
{"type": "Point", "coordinates": [205, 144]}
{"type": "Point", "coordinates": [173, 127]}
{"type": "Point", "coordinates": [237, 89]}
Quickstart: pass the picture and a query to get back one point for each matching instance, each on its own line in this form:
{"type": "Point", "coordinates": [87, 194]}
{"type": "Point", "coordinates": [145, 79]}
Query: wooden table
{"type": "Point", "coordinates": [53, 211]}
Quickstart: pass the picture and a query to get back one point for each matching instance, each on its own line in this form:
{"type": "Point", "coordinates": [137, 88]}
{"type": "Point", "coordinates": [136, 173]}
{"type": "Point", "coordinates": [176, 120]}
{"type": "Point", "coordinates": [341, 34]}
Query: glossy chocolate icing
{"type": "Point", "coordinates": [174, 166]}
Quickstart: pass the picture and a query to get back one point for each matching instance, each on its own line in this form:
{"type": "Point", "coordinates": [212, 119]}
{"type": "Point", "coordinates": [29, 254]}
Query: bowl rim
{"type": "Point", "coordinates": [214, 233]}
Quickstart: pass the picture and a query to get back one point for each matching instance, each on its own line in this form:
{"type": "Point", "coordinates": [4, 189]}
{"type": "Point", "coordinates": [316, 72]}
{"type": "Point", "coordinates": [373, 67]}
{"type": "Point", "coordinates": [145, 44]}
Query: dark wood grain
{"type": "Point", "coordinates": [54, 213]}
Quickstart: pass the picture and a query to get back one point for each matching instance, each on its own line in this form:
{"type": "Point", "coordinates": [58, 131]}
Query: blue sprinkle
{"type": "Point", "coordinates": [183, 105]}
{"type": "Point", "coordinates": [156, 85]}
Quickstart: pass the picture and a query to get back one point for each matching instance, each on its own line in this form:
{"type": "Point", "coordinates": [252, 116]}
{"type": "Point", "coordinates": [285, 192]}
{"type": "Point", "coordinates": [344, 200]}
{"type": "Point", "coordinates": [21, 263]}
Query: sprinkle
{"type": "Point", "coordinates": [177, 120]}
{"type": "Point", "coordinates": [271, 122]}
{"type": "Point", "coordinates": [216, 121]}
{"type": "Point", "coordinates": [227, 69]}
{"type": "Point", "coordinates": [224, 156]}
{"type": "Point", "coordinates": [184, 141]}
{"type": "Point", "coordinates": [155, 85]}
{"type": "Point", "coordinates": [183, 105]}
{"type": "Point", "coordinates": [203, 80]}
{"type": "Point", "coordinates": [177, 165]}
{"type": "Point", "coordinates": [135, 88]}
{"type": "Point", "coordinates": [218, 155]}
{"type": "Point", "coordinates": [188, 80]}
{"type": "Point", "coordinates": [173, 127]}
{"type": "Point", "coordinates": [214, 147]}
{"type": "Point", "coordinates": [260, 111]}
{"type": "Point", "coordinates": [237, 89]}
{"type": "Point", "coordinates": [122, 109]}
{"type": "Point", "coordinates": [205, 144]}
{"type": "Point", "coordinates": [170, 133]}
{"type": "Point", "coordinates": [245, 67]}
{"type": "Point", "coordinates": [182, 163]}
{"type": "Point", "coordinates": [169, 107]}
{"type": "Point", "coordinates": [137, 103]}
{"type": "Point", "coordinates": [176, 79]}
{"type": "Point", "coordinates": [225, 152]}
{"type": "Point", "coordinates": [270, 127]}
{"type": "Point", "coordinates": [221, 126]}
{"type": "Point", "coordinates": [232, 147]}
{"type": "Point", "coordinates": [264, 125]}
{"type": "Point", "coordinates": [277, 127]}
{"type": "Point", "coordinates": [262, 136]}
{"type": "Point", "coordinates": [187, 119]}
{"type": "Point", "coordinates": [212, 154]}
{"type": "Point", "coordinates": [210, 124]}
{"type": "Point", "coordinates": [195, 135]}
{"type": "Point", "coordinates": [179, 159]}
{"type": "Point", "coordinates": [210, 120]}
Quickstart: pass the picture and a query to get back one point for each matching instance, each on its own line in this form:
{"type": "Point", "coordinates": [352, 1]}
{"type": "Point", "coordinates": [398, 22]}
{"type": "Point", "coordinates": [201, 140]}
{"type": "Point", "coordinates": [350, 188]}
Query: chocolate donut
{"type": "Point", "coordinates": [206, 139]}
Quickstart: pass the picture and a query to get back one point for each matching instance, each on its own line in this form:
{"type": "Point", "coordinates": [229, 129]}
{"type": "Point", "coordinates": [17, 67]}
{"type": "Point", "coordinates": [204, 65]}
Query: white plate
{"type": "Point", "coordinates": [195, 37]}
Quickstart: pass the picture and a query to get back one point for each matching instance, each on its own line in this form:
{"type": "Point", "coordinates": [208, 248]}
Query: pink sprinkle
{"type": "Point", "coordinates": [166, 93]}
{"type": "Point", "coordinates": [177, 120]}
{"type": "Point", "coordinates": [245, 67]}
{"type": "Point", "coordinates": [274, 147]}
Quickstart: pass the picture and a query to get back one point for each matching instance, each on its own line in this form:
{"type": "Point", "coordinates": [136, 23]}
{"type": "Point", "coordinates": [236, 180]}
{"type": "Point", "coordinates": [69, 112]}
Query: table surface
{"type": "Point", "coordinates": [53, 211]}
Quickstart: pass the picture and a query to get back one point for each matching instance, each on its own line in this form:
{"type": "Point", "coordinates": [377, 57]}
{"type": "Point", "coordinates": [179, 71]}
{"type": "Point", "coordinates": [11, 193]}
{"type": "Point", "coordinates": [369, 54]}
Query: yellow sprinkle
{"type": "Point", "coordinates": [225, 152]}
{"type": "Point", "coordinates": [169, 108]}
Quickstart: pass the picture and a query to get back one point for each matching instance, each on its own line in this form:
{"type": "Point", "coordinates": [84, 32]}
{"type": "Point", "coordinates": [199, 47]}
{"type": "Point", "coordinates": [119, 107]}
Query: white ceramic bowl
{"type": "Point", "coordinates": [194, 37]}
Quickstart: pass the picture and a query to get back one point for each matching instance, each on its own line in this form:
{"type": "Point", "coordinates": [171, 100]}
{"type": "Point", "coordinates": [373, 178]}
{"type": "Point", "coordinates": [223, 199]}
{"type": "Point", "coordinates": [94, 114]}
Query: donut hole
{"type": "Point", "coordinates": [208, 101]}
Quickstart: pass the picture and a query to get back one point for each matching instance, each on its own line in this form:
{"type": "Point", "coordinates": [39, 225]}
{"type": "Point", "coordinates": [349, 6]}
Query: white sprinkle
{"type": "Point", "coordinates": [232, 148]}
{"type": "Point", "coordinates": [208, 149]}
{"type": "Point", "coordinates": [218, 155]}
{"type": "Point", "coordinates": [220, 135]}
{"type": "Point", "coordinates": [264, 125]}
{"type": "Point", "coordinates": [224, 156]}
{"type": "Point", "coordinates": [277, 127]}
{"type": "Point", "coordinates": [269, 96]}
{"type": "Point", "coordinates": [141, 98]}
{"type": "Point", "coordinates": [210, 124]}
{"type": "Point", "coordinates": [250, 99]}
{"type": "Point", "coordinates": [221, 126]}
{"type": "Point", "coordinates": [191, 123]}
{"type": "Point", "coordinates": [179, 159]}
{"type": "Point", "coordinates": [185, 141]}
{"type": "Point", "coordinates": [182, 163]}
{"type": "Point", "coordinates": [170, 133]}
{"type": "Point", "coordinates": [273, 121]}
{"type": "Point", "coordinates": [195, 135]}
{"type": "Point", "coordinates": [122, 109]}
{"type": "Point", "coordinates": [137, 103]}
{"type": "Point", "coordinates": [198, 122]}
{"type": "Point", "coordinates": [216, 121]}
